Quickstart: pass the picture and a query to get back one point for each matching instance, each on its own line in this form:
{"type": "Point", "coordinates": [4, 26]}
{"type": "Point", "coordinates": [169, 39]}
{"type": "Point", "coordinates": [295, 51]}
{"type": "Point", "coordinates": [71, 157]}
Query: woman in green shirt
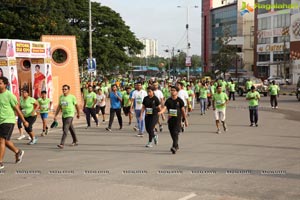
{"type": "Point", "coordinates": [29, 106]}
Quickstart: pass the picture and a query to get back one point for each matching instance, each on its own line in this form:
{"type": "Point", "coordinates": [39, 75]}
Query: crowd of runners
{"type": "Point", "coordinates": [146, 104]}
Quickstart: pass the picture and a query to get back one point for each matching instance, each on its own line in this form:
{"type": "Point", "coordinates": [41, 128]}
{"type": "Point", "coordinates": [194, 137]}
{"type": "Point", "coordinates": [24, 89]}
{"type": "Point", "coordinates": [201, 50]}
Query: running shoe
{"type": "Point", "coordinates": [47, 131]}
{"type": "Point", "coordinates": [1, 165]}
{"type": "Point", "coordinates": [34, 141]}
{"type": "Point", "coordinates": [173, 150]}
{"type": "Point", "coordinates": [60, 146]}
{"type": "Point", "coordinates": [155, 139]}
{"type": "Point", "coordinates": [218, 131]}
{"type": "Point", "coordinates": [19, 156]}
{"type": "Point", "coordinates": [149, 145]}
{"type": "Point", "coordinates": [160, 128]}
{"type": "Point", "coordinates": [140, 135]}
{"type": "Point", "coordinates": [21, 137]}
{"type": "Point", "coordinates": [135, 129]}
{"type": "Point", "coordinates": [74, 144]}
{"type": "Point", "coordinates": [108, 129]}
{"type": "Point", "coordinates": [43, 134]}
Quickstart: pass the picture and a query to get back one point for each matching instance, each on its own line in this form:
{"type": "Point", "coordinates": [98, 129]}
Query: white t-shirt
{"type": "Point", "coordinates": [159, 95]}
{"type": "Point", "coordinates": [138, 97]}
{"type": "Point", "coordinates": [184, 96]}
{"type": "Point", "coordinates": [99, 99]}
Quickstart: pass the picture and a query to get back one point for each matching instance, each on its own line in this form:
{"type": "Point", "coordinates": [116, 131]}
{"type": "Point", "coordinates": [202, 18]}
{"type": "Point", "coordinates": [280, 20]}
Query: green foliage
{"type": "Point", "coordinates": [113, 41]}
{"type": "Point", "coordinates": [227, 53]}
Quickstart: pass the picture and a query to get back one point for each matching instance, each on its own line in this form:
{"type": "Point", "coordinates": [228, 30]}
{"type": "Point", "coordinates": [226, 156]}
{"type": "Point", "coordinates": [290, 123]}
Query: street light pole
{"type": "Point", "coordinates": [90, 30]}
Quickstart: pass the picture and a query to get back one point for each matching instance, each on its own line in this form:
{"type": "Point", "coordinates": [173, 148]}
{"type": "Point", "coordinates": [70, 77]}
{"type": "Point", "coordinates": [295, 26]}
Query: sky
{"type": "Point", "coordinates": [162, 20]}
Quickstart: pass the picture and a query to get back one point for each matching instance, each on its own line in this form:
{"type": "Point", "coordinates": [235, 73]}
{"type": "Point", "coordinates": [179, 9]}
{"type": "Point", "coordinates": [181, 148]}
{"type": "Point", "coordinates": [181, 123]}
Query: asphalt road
{"type": "Point", "coordinates": [245, 163]}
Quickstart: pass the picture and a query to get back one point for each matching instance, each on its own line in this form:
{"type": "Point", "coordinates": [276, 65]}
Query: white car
{"type": "Point", "coordinates": [278, 80]}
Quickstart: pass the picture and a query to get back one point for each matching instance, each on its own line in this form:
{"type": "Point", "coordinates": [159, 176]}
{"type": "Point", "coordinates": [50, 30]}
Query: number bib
{"type": "Point", "coordinates": [44, 107]}
{"type": "Point", "coordinates": [173, 112]}
{"type": "Point", "coordinates": [219, 102]}
{"type": "Point", "coordinates": [24, 112]}
{"type": "Point", "coordinates": [139, 100]}
{"type": "Point", "coordinates": [149, 111]}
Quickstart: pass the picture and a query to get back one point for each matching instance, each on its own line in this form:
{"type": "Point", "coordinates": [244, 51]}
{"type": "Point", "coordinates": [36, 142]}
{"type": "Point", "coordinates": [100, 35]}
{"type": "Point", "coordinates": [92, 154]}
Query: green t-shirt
{"type": "Point", "coordinates": [7, 103]}
{"type": "Point", "coordinates": [253, 102]}
{"type": "Point", "coordinates": [213, 89]}
{"type": "Point", "coordinates": [44, 105]}
{"type": "Point", "coordinates": [27, 106]}
{"type": "Point", "coordinates": [85, 92]}
{"type": "Point", "coordinates": [190, 93]}
{"type": "Point", "coordinates": [203, 92]}
{"type": "Point", "coordinates": [166, 92]}
{"type": "Point", "coordinates": [125, 97]}
{"type": "Point", "coordinates": [197, 88]}
{"type": "Point", "coordinates": [220, 99]}
{"type": "Point", "coordinates": [274, 89]}
{"type": "Point", "coordinates": [231, 87]}
{"type": "Point", "coordinates": [248, 85]}
{"type": "Point", "coordinates": [67, 104]}
{"type": "Point", "coordinates": [90, 99]}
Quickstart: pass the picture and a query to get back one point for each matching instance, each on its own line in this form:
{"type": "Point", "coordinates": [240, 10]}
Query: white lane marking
{"type": "Point", "coordinates": [192, 195]}
{"type": "Point", "coordinates": [16, 188]}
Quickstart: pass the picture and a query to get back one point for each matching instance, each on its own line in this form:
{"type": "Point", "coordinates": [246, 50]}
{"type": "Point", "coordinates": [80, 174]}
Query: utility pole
{"type": "Point", "coordinates": [90, 36]}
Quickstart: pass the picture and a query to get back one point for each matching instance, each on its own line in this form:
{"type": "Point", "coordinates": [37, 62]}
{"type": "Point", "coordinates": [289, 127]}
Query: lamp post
{"type": "Point", "coordinates": [188, 44]}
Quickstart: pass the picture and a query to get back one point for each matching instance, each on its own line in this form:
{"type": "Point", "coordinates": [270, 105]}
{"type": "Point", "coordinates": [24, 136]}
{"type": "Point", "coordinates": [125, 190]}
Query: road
{"type": "Point", "coordinates": [245, 163]}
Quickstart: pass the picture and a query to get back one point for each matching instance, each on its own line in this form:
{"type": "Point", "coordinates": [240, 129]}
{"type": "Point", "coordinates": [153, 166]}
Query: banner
{"type": "Point", "coordinates": [38, 77]}
{"type": "Point", "coordinates": [10, 72]}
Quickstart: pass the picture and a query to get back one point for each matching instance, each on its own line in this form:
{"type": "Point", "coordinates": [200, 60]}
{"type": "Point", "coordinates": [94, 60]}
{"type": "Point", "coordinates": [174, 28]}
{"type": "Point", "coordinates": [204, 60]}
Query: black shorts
{"type": "Point", "coordinates": [30, 121]}
{"type": "Point", "coordinates": [126, 110]}
{"type": "Point", "coordinates": [99, 108]}
{"type": "Point", "coordinates": [6, 130]}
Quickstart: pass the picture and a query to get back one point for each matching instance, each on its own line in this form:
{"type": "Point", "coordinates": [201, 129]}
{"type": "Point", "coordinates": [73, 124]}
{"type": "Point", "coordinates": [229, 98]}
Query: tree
{"type": "Point", "coordinates": [113, 42]}
{"type": "Point", "coordinates": [227, 53]}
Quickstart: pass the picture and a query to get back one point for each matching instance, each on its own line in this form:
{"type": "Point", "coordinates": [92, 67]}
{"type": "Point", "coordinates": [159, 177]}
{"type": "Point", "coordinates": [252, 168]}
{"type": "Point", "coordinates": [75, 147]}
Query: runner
{"type": "Point", "coordinates": [67, 102]}
{"type": "Point", "coordinates": [90, 101]}
{"type": "Point", "coordinates": [231, 90]}
{"type": "Point", "coordinates": [253, 98]}
{"type": "Point", "coordinates": [101, 104]}
{"type": "Point", "coordinates": [203, 98]}
{"type": "Point", "coordinates": [45, 106]}
{"type": "Point", "coordinates": [137, 98]}
{"type": "Point", "coordinates": [9, 105]}
{"type": "Point", "coordinates": [29, 107]}
{"type": "Point", "coordinates": [274, 93]}
{"type": "Point", "coordinates": [185, 98]}
{"type": "Point", "coordinates": [220, 100]}
{"type": "Point", "coordinates": [115, 107]}
{"type": "Point", "coordinates": [191, 95]}
{"type": "Point", "coordinates": [151, 104]}
{"type": "Point", "coordinates": [127, 103]}
{"type": "Point", "coordinates": [158, 93]}
{"type": "Point", "coordinates": [176, 111]}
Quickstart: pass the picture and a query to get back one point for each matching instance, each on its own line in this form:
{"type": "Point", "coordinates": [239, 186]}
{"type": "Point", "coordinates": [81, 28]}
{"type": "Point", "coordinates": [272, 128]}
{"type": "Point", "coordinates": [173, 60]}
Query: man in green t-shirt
{"type": "Point", "coordinates": [9, 106]}
{"type": "Point", "coordinates": [203, 98]}
{"type": "Point", "coordinates": [67, 104]}
{"type": "Point", "coordinates": [253, 97]}
{"type": "Point", "coordinates": [274, 93]}
{"type": "Point", "coordinates": [248, 85]}
{"type": "Point", "coordinates": [90, 101]}
{"type": "Point", "coordinates": [220, 100]}
{"type": "Point", "coordinates": [45, 105]}
{"type": "Point", "coordinates": [231, 89]}
{"type": "Point", "coordinates": [127, 103]}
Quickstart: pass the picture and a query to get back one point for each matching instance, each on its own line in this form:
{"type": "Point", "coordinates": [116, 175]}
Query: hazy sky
{"type": "Point", "coordinates": [162, 20]}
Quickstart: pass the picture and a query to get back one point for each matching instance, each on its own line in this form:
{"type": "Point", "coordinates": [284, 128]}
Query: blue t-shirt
{"type": "Point", "coordinates": [114, 101]}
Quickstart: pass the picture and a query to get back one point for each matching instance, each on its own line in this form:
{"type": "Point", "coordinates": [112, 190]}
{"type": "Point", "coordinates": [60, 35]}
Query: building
{"type": "Point", "coordinates": [216, 16]}
{"type": "Point", "coordinates": [277, 41]}
{"type": "Point", "coordinates": [150, 49]}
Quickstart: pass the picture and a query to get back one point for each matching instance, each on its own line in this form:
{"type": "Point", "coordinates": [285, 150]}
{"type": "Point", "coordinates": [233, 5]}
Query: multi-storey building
{"type": "Point", "coordinates": [218, 15]}
{"type": "Point", "coordinates": [277, 41]}
{"type": "Point", "coordinates": [150, 49]}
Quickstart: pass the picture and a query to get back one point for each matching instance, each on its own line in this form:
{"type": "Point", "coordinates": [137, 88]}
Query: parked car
{"type": "Point", "coordinates": [298, 89]}
{"type": "Point", "coordinates": [278, 80]}
{"type": "Point", "coordinates": [258, 83]}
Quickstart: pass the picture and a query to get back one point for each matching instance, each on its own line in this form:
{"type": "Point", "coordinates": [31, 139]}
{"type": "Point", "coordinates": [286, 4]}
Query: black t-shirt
{"type": "Point", "coordinates": [174, 109]}
{"type": "Point", "coordinates": [151, 105]}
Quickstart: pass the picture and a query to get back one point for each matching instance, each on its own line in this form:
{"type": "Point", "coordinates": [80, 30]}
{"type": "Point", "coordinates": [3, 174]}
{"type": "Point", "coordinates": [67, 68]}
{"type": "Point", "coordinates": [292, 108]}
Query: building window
{"type": "Point", "coordinates": [263, 57]}
{"type": "Point", "coordinates": [263, 10]}
{"type": "Point", "coordinates": [264, 40]}
{"type": "Point", "coordinates": [283, 20]}
{"type": "Point", "coordinates": [279, 56]}
{"type": "Point", "coordinates": [264, 23]}
{"type": "Point", "coordinates": [263, 71]}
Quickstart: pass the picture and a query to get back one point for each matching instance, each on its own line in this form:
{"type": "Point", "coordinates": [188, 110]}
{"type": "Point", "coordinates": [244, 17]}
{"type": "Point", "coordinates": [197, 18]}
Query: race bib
{"type": "Point", "coordinates": [64, 104]}
{"type": "Point", "coordinates": [173, 112]}
{"type": "Point", "coordinates": [139, 100]}
{"type": "Point", "coordinates": [149, 111]}
{"type": "Point", "coordinates": [24, 111]}
{"type": "Point", "coordinates": [44, 107]}
{"type": "Point", "coordinates": [219, 102]}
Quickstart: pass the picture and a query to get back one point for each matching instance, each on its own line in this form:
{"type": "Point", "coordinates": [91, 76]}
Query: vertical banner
{"type": "Point", "coordinates": [9, 70]}
{"type": "Point", "coordinates": [38, 72]}
{"type": "Point", "coordinates": [49, 84]}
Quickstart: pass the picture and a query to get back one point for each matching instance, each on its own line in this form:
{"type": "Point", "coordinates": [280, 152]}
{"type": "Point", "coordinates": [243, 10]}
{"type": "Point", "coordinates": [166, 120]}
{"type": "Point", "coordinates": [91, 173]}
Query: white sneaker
{"type": "Point", "coordinates": [21, 137]}
{"type": "Point", "coordinates": [28, 138]}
